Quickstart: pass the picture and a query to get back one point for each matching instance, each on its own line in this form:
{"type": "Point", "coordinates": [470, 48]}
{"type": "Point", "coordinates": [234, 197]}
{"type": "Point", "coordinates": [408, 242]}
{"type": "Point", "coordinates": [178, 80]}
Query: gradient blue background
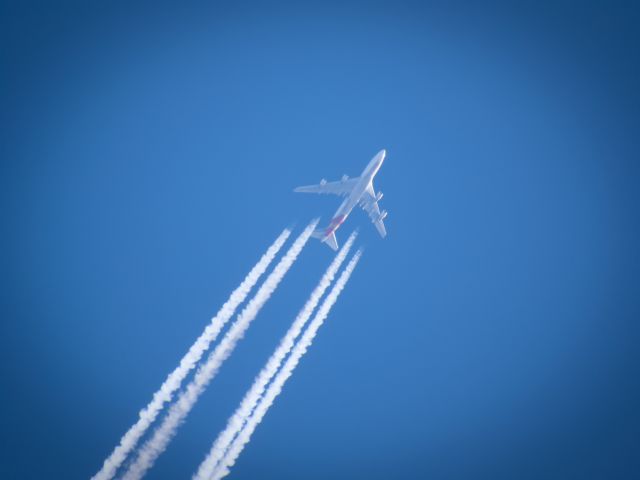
{"type": "Point", "coordinates": [148, 158]}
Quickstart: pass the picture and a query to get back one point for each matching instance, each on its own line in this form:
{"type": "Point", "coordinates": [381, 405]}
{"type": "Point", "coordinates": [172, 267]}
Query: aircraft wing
{"type": "Point", "coordinates": [370, 205]}
{"type": "Point", "coordinates": [340, 188]}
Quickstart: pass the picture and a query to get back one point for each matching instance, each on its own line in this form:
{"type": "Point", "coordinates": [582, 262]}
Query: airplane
{"type": "Point", "coordinates": [359, 191]}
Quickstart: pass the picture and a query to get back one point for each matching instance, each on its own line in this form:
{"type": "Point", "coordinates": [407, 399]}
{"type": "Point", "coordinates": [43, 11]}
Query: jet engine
{"type": "Point", "coordinates": [382, 216]}
{"type": "Point", "coordinates": [379, 196]}
{"type": "Point", "coordinates": [345, 178]}
{"type": "Point", "coordinates": [323, 182]}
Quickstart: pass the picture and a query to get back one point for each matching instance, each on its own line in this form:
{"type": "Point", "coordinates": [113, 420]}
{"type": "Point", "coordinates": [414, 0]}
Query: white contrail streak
{"type": "Point", "coordinates": [188, 362]}
{"type": "Point", "coordinates": [252, 397]}
{"type": "Point", "coordinates": [161, 437]}
{"type": "Point", "coordinates": [285, 372]}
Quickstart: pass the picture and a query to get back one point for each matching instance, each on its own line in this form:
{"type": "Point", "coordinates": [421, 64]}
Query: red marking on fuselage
{"type": "Point", "coordinates": [335, 223]}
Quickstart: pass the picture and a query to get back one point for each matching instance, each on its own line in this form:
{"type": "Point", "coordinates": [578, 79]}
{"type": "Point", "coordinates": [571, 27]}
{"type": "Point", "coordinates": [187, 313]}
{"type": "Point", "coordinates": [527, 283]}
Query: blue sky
{"type": "Point", "coordinates": [149, 156]}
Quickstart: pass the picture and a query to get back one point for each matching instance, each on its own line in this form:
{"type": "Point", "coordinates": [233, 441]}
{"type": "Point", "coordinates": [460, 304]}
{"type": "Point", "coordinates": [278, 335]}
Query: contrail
{"type": "Point", "coordinates": [222, 469]}
{"type": "Point", "coordinates": [188, 362]}
{"type": "Point", "coordinates": [252, 397]}
{"type": "Point", "coordinates": [158, 442]}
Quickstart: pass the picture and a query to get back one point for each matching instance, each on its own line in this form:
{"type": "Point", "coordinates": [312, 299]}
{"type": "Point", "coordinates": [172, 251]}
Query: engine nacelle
{"type": "Point", "coordinates": [345, 178]}
{"type": "Point", "coordinates": [379, 196]}
{"type": "Point", "coordinates": [323, 182]}
{"type": "Point", "coordinates": [382, 216]}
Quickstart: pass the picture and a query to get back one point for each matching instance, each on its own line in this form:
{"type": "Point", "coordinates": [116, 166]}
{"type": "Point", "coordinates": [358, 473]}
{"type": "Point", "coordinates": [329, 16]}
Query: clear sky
{"type": "Point", "coordinates": [148, 159]}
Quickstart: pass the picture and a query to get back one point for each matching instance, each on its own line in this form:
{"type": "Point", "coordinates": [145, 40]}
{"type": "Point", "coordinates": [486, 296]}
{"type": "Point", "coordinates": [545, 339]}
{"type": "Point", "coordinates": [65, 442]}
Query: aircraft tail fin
{"type": "Point", "coordinates": [330, 239]}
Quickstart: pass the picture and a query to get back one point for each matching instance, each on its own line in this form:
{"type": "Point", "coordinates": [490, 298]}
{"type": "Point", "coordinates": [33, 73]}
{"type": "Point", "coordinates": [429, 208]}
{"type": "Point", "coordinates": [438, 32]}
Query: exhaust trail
{"type": "Point", "coordinates": [188, 362]}
{"type": "Point", "coordinates": [222, 469]}
{"type": "Point", "coordinates": [252, 397]}
{"type": "Point", "coordinates": [161, 437]}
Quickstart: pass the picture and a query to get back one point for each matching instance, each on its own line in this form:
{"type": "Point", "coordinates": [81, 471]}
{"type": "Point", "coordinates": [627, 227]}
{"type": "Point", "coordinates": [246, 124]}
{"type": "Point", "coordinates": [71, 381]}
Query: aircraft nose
{"type": "Point", "coordinates": [383, 153]}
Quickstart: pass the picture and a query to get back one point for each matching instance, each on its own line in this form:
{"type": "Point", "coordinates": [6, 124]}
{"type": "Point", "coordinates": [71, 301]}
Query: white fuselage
{"type": "Point", "coordinates": [356, 194]}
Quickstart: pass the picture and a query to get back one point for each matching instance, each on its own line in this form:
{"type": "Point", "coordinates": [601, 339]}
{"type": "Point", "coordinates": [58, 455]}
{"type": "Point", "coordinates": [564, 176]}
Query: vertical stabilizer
{"type": "Point", "coordinates": [330, 239]}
